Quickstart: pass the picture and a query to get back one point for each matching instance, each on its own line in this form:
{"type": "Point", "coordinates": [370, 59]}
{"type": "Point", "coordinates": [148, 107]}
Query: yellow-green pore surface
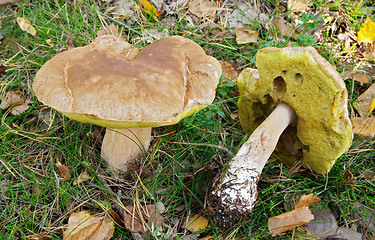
{"type": "Point", "coordinates": [111, 84]}
{"type": "Point", "coordinates": [305, 81]}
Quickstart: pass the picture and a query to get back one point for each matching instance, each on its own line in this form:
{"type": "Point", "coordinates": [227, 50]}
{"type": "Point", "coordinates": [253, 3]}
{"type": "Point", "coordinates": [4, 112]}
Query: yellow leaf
{"type": "Point", "coordinates": [196, 223]}
{"type": "Point", "coordinates": [365, 103]}
{"type": "Point", "coordinates": [366, 33]}
{"type": "Point", "coordinates": [49, 42]}
{"type": "Point", "coordinates": [150, 8]}
{"type": "Point", "coordinates": [364, 127]}
{"type": "Point", "coordinates": [26, 26]}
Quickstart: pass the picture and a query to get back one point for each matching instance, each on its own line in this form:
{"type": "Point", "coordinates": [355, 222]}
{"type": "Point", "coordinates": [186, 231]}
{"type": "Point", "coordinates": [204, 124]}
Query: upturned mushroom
{"type": "Point", "coordinates": [297, 103]}
{"type": "Point", "coordinates": [111, 84]}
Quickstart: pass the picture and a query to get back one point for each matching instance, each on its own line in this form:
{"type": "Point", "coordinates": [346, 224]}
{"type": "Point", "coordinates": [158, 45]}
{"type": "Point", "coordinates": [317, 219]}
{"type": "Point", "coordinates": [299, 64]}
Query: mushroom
{"type": "Point", "coordinates": [303, 100]}
{"type": "Point", "coordinates": [111, 84]}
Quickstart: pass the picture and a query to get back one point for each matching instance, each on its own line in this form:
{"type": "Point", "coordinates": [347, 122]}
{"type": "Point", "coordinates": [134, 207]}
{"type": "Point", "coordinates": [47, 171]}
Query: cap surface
{"type": "Point", "coordinates": [304, 80]}
{"type": "Point", "coordinates": [110, 83]}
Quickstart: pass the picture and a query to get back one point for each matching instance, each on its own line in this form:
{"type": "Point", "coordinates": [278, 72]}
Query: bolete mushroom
{"type": "Point", "coordinates": [297, 103]}
{"type": "Point", "coordinates": [111, 84]}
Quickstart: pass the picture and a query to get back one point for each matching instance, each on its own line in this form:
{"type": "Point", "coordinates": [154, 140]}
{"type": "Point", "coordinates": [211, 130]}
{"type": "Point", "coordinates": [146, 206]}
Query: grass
{"type": "Point", "coordinates": [36, 201]}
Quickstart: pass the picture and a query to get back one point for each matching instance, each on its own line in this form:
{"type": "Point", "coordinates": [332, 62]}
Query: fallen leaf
{"type": "Point", "coordinates": [141, 220]}
{"type": "Point", "coordinates": [229, 70]}
{"type": "Point", "coordinates": [289, 220]}
{"type": "Point", "coordinates": [306, 201]}
{"type": "Point", "coordinates": [5, 2]}
{"type": "Point", "coordinates": [116, 218]}
{"type": "Point", "coordinates": [207, 238]}
{"type": "Point", "coordinates": [201, 8]}
{"type": "Point", "coordinates": [365, 103]}
{"type": "Point", "coordinates": [49, 43]}
{"type": "Point", "coordinates": [149, 7]}
{"type": "Point", "coordinates": [285, 28]}
{"type": "Point", "coordinates": [64, 171]}
{"type": "Point", "coordinates": [11, 99]}
{"type": "Point", "coordinates": [83, 177]}
{"type": "Point", "coordinates": [361, 78]}
{"type": "Point", "coordinates": [347, 175]}
{"type": "Point", "coordinates": [26, 26]}
{"type": "Point", "coordinates": [298, 5]}
{"type": "Point", "coordinates": [366, 33]}
{"type": "Point", "coordinates": [325, 225]}
{"type": "Point", "coordinates": [83, 226]}
{"type": "Point", "coordinates": [38, 237]}
{"type": "Point", "coordinates": [244, 36]}
{"type": "Point", "coordinates": [107, 30]}
{"type": "Point", "coordinates": [2, 70]}
{"type": "Point", "coordinates": [98, 134]}
{"type": "Point", "coordinates": [364, 127]}
{"type": "Point", "coordinates": [70, 44]}
{"type": "Point", "coordinates": [21, 108]}
{"type": "Point", "coordinates": [196, 223]}
{"type": "Point", "coordinates": [125, 10]}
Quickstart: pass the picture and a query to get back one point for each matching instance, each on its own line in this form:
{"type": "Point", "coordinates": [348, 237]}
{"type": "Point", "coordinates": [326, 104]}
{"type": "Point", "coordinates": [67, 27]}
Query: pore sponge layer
{"type": "Point", "coordinates": [307, 82]}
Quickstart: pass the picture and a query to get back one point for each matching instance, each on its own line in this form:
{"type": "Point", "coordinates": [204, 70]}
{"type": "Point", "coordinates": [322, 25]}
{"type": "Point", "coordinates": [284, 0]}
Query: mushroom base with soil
{"type": "Point", "coordinates": [235, 191]}
{"type": "Point", "coordinates": [122, 146]}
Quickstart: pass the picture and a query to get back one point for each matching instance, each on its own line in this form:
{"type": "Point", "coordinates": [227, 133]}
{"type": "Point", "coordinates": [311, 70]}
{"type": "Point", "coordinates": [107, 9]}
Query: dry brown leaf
{"type": "Point", "coordinates": [197, 223]}
{"type": "Point", "coordinates": [306, 201]}
{"type": "Point", "coordinates": [20, 108]}
{"type": "Point", "coordinates": [365, 103]}
{"type": "Point", "coordinates": [11, 99]}
{"type": "Point", "coordinates": [107, 30]}
{"type": "Point", "coordinates": [364, 127]}
{"type": "Point", "coordinates": [116, 218]}
{"type": "Point", "coordinates": [286, 29]}
{"type": "Point", "coordinates": [201, 8]}
{"type": "Point", "coordinates": [5, 2]}
{"type": "Point", "coordinates": [289, 220]}
{"type": "Point", "coordinates": [64, 171]}
{"type": "Point", "coordinates": [83, 177]}
{"type": "Point", "coordinates": [229, 70]}
{"type": "Point", "coordinates": [2, 70]}
{"type": "Point", "coordinates": [70, 44]}
{"type": "Point", "coordinates": [361, 78]}
{"type": "Point", "coordinates": [141, 222]}
{"type": "Point", "coordinates": [82, 225]}
{"type": "Point", "coordinates": [245, 36]}
{"type": "Point", "coordinates": [26, 26]}
{"type": "Point", "coordinates": [347, 175]}
{"type": "Point", "coordinates": [298, 5]}
{"type": "Point", "coordinates": [207, 238]}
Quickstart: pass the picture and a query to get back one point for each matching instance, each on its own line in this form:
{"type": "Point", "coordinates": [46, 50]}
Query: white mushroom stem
{"type": "Point", "coordinates": [123, 146]}
{"type": "Point", "coordinates": [237, 190]}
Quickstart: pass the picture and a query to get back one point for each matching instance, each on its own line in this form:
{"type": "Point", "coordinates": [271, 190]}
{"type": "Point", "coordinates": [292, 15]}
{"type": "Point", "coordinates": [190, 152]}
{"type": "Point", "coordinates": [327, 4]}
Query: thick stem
{"type": "Point", "coordinates": [123, 146]}
{"type": "Point", "coordinates": [236, 190]}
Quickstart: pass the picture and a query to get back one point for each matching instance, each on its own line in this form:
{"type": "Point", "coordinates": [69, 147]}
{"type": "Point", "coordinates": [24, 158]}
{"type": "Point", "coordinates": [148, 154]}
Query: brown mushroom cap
{"type": "Point", "coordinates": [109, 83]}
{"type": "Point", "coordinates": [304, 80]}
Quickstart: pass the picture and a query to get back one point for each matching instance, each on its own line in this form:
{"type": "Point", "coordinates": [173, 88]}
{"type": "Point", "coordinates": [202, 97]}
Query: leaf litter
{"type": "Point", "coordinates": [240, 19]}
